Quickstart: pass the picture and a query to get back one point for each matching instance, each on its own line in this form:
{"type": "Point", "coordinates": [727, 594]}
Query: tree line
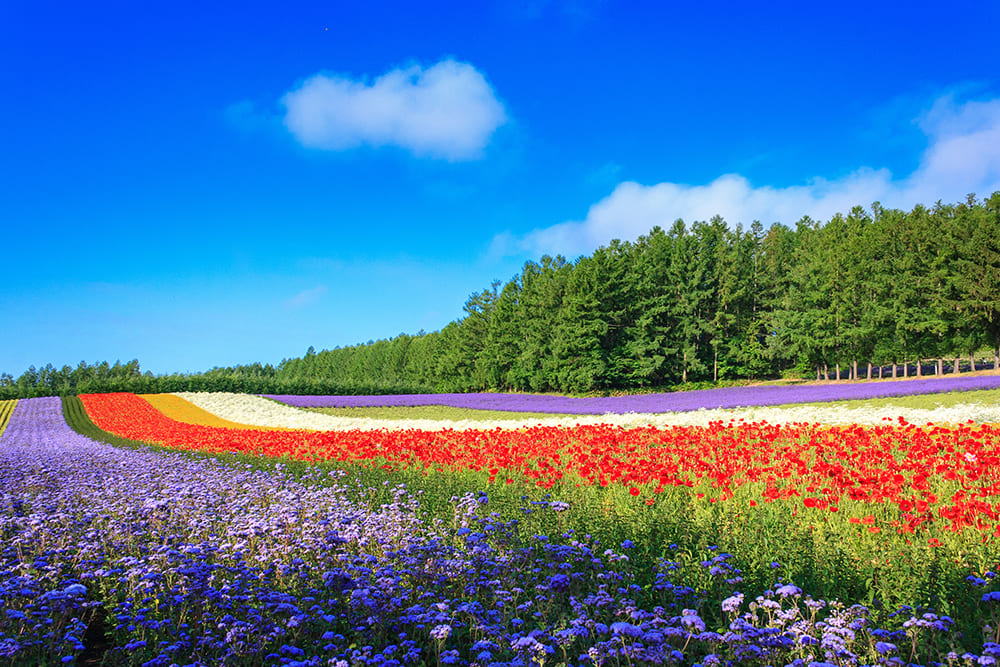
{"type": "Point", "coordinates": [253, 378]}
{"type": "Point", "coordinates": [871, 293]}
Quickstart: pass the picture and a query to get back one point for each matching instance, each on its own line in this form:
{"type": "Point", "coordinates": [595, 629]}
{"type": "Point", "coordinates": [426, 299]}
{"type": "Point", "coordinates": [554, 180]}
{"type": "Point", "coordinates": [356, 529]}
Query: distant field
{"type": "Point", "coordinates": [447, 413]}
{"type": "Point", "coordinates": [722, 398]}
{"type": "Point", "coordinates": [929, 401]}
{"type": "Point", "coordinates": [436, 412]}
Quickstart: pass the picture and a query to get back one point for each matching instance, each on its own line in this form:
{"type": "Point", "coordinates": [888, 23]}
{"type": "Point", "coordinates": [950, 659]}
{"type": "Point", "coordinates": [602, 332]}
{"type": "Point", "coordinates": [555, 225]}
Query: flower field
{"type": "Point", "coordinates": [230, 529]}
{"type": "Point", "coordinates": [246, 409]}
{"type": "Point", "coordinates": [702, 399]}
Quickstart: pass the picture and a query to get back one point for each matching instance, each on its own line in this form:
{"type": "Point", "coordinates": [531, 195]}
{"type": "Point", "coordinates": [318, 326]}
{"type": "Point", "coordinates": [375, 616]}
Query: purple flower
{"type": "Point", "coordinates": [525, 644]}
{"type": "Point", "coordinates": [626, 629]}
{"type": "Point", "coordinates": [691, 621]}
{"type": "Point", "coordinates": [732, 603]}
{"type": "Point", "coordinates": [788, 590]}
{"type": "Point", "coordinates": [885, 647]}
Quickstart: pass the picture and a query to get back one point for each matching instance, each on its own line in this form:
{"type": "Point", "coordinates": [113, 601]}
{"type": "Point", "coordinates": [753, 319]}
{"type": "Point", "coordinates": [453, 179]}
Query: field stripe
{"type": "Point", "coordinates": [77, 419]}
{"type": "Point", "coordinates": [6, 410]}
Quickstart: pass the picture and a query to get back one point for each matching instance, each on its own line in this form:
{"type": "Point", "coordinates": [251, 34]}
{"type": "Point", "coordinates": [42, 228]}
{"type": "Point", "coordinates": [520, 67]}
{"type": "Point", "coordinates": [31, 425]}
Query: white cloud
{"type": "Point", "coordinates": [962, 156]}
{"type": "Point", "coordinates": [964, 153]}
{"type": "Point", "coordinates": [306, 297]}
{"type": "Point", "coordinates": [446, 111]}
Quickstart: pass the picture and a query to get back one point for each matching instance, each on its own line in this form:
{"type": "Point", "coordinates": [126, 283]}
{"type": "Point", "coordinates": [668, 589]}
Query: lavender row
{"type": "Point", "coordinates": [190, 561]}
{"type": "Point", "coordinates": [708, 399]}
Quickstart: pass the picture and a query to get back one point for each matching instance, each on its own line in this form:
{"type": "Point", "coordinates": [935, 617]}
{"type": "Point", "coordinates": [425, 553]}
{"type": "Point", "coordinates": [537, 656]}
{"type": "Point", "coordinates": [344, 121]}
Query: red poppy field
{"type": "Point", "coordinates": [926, 478]}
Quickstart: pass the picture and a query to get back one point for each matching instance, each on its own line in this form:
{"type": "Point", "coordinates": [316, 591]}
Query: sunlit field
{"type": "Point", "coordinates": [233, 529]}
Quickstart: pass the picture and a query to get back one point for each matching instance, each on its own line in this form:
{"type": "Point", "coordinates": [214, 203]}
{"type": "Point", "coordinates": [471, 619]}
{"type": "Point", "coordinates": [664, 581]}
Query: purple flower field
{"type": "Point", "coordinates": [728, 397]}
{"type": "Point", "coordinates": [141, 557]}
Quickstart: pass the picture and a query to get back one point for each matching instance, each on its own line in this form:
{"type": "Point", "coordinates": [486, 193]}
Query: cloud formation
{"type": "Point", "coordinates": [962, 156]}
{"type": "Point", "coordinates": [446, 111]}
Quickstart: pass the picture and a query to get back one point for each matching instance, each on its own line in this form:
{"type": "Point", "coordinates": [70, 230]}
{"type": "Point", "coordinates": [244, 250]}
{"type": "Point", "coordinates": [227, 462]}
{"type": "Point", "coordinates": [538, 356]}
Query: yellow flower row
{"type": "Point", "coordinates": [6, 410]}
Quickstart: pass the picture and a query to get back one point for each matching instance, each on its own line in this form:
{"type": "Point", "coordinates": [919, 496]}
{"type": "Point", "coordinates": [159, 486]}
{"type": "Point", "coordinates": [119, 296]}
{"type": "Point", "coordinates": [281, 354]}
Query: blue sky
{"type": "Point", "coordinates": [199, 185]}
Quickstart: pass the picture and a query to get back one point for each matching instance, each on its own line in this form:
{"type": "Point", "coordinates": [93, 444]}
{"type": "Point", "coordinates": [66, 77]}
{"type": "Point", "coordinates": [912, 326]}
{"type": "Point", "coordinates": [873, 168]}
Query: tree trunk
{"type": "Point", "coordinates": [920, 369]}
{"type": "Point", "coordinates": [838, 371]}
{"type": "Point", "coordinates": [880, 372]}
{"type": "Point", "coordinates": [715, 366]}
{"type": "Point", "coordinates": [854, 368]}
{"type": "Point", "coordinates": [972, 361]}
{"type": "Point", "coordinates": [957, 369]}
{"type": "Point", "coordinates": [870, 370]}
{"type": "Point", "coordinates": [819, 373]}
{"type": "Point", "coordinates": [996, 358]}
{"type": "Point", "coordinates": [940, 367]}
{"type": "Point", "coordinates": [826, 372]}
{"type": "Point", "coordinates": [906, 369]}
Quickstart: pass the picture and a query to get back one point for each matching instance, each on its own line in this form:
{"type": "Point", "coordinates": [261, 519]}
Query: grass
{"type": "Point", "coordinates": [926, 401]}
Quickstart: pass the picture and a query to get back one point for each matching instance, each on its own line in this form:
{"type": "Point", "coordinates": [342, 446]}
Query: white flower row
{"type": "Point", "coordinates": [257, 411]}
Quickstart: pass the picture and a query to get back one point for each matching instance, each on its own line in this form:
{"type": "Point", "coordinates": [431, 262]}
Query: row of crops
{"type": "Point", "coordinates": [6, 409]}
{"type": "Point", "coordinates": [153, 530]}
